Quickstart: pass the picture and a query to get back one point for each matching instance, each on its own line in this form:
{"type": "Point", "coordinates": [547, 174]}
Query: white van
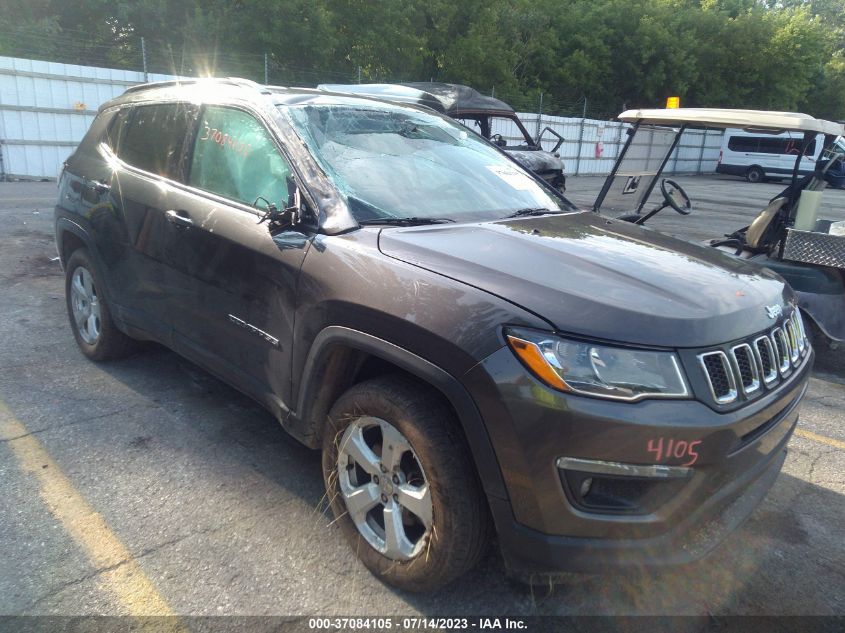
{"type": "Point", "coordinates": [756, 155]}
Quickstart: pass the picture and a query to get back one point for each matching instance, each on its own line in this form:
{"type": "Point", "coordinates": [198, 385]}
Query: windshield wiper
{"type": "Point", "coordinates": [411, 221]}
{"type": "Point", "coordinates": [533, 211]}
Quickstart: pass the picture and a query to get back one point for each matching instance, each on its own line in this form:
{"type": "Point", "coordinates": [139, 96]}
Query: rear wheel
{"type": "Point", "coordinates": [754, 174]}
{"type": "Point", "coordinates": [90, 318]}
{"type": "Point", "coordinates": [402, 485]}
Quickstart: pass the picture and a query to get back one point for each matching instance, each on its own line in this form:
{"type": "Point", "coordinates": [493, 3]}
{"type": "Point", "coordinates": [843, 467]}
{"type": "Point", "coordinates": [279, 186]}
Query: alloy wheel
{"type": "Point", "coordinates": [85, 305]}
{"type": "Point", "coordinates": [384, 487]}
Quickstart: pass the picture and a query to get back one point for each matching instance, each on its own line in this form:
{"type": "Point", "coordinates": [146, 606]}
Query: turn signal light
{"type": "Point", "coordinates": [532, 357]}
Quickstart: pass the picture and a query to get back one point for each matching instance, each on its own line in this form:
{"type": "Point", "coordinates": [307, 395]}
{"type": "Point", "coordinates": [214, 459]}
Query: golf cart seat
{"type": "Point", "coordinates": [750, 240]}
{"type": "Point", "coordinates": [757, 229]}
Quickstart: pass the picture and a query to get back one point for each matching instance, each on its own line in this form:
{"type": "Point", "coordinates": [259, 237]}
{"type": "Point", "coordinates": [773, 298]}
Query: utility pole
{"type": "Point", "coordinates": [539, 115]}
{"type": "Point", "coordinates": [359, 74]}
{"type": "Point", "coordinates": [266, 71]}
{"type": "Point", "coordinates": [580, 144]}
{"type": "Point", "coordinates": [144, 59]}
{"type": "Point", "coordinates": [584, 112]}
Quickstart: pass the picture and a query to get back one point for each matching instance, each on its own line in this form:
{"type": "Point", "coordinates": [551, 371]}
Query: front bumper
{"type": "Point", "coordinates": [542, 526]}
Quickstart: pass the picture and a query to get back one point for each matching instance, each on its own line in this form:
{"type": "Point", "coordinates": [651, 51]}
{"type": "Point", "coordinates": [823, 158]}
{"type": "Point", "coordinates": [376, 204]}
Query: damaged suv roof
{"type": "Point", "coordinates": [194, 90]}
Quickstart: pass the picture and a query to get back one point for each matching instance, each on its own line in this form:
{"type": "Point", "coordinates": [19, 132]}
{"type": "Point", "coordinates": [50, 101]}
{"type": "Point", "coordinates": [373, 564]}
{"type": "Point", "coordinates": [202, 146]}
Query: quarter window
{"type": "Point", "coordinates": [154, 137]}
{"type": "Point", "coordinates": [235, 157]}
{"type": "Point", "coordinates": [117, 128]}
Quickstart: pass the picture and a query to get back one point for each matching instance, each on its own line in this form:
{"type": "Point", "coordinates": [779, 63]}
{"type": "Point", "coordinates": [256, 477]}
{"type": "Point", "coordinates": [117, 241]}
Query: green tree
{"type": "Point", "coordinates": [774, 54]}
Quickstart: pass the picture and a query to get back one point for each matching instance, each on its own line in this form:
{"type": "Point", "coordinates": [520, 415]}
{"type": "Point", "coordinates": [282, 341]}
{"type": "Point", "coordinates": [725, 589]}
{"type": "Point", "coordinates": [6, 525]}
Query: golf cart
{"type": "Point", "coordinates": [493, 119]}
{"type": "Point", "coordinates": [785, 237]}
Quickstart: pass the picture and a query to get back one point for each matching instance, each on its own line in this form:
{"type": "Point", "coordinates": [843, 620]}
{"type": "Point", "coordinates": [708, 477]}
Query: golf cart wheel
{"type": "Point", "coordinates": [89, 314]}
{"type": "Point", "coordinates": [402, 484]}
{"type": "Point", "coordinates": [754, 174]}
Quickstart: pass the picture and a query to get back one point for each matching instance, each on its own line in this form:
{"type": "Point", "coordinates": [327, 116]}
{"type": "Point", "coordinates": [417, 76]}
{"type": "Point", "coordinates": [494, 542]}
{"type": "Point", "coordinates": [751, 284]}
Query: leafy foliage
{"type": "Point", "coordinates": [605, 54]}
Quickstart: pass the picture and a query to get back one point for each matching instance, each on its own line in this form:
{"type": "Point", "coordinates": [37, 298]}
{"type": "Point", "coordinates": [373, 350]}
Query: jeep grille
{"type": "Point", "coordinates": [746, 367]}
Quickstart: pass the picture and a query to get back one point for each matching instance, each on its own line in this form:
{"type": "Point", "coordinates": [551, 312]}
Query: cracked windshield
{"type": "Point", "coordinates": [397, 163]}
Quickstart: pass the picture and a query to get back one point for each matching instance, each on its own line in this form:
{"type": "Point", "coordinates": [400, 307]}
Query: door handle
{"type": "Point", "coordinates": [177, 218]}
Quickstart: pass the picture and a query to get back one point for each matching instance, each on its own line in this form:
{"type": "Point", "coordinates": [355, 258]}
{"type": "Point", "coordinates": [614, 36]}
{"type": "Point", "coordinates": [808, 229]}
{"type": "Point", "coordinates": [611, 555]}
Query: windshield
{"type": "Point", "coordinates": [837, 148]}
{"type": "Point", "coordinates": [392, 162]}
{"type": "Point", "coordinates": [636, 176]}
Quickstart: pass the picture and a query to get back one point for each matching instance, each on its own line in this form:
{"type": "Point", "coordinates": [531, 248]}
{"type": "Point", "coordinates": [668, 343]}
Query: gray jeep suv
{"type": "Point", "coordinates": [470, 352]}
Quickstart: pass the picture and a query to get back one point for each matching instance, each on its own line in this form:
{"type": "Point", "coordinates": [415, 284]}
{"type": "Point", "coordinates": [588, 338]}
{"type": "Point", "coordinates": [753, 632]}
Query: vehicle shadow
{"type": "Point", "coordinates": [791, 536]}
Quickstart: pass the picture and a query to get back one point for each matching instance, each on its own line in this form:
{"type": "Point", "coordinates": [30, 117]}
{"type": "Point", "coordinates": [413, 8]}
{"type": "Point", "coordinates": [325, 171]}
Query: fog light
{"type": "Point", "coordinates": [620, 488]}
{"type": "Point", "coordinates": [585, 486]}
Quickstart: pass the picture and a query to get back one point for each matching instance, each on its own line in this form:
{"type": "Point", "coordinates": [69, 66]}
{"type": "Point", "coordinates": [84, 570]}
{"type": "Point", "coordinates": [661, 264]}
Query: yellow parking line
{"type": "Point", "coordinates": [121, 575]}
{"type": "Point", "coordinates": [820, 438]}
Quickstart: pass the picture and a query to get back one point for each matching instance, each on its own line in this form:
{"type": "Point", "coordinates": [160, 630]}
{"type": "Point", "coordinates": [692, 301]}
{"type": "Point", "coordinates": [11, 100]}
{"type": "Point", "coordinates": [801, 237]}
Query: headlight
{"type": "Point", "coordinates": [598, 370]}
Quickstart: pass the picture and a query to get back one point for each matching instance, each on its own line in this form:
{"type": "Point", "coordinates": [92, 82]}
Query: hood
{"type": "Point", "coordinates": [456, 99]}
{"type": "Point", "coordinates": [601, 278]}
{"type": "Point", "coordinates": [536, 160]}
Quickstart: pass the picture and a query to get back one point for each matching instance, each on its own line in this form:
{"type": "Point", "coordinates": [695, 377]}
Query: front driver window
{"type": "Point", "coordinates": [235, 157]}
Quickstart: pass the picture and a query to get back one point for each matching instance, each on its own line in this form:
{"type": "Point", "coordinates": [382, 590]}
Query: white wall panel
{"type": "Point", "coordinates": [48, 107]}
{"type": "Point", "coordinates": [28, 87]}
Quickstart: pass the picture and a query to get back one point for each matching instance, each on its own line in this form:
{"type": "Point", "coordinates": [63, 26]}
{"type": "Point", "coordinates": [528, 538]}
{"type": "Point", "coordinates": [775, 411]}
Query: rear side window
{"type": "Point", "coordinates": [769, 145]}
{"type": "Point", "coordinates": [744, 144]}
{"type": "Point", "coordinates": [235, 157]}
{"type": "Point", "coordinates": [154, 137]}
{"type": "Point", "coordinates": [794, 146]}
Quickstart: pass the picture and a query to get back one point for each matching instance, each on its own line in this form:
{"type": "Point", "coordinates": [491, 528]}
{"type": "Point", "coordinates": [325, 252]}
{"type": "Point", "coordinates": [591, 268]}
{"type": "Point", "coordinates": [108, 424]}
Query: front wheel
{"type": "Point", "coordinates": [402, 485]}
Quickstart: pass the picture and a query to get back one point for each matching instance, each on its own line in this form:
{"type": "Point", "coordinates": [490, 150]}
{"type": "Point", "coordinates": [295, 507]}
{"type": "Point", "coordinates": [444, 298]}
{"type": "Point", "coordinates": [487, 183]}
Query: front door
{"type": "Point", "coordinates": [233, 284]}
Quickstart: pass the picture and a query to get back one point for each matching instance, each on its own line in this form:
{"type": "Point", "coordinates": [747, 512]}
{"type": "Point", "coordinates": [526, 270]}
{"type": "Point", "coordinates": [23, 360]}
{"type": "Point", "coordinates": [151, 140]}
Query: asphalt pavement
{"type": "Point", "coordinates": [146, 486]}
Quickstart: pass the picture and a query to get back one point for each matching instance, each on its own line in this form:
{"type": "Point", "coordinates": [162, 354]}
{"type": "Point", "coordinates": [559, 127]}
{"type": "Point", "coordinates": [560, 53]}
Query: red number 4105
{"type": "Point", "coordinates": [666, 448]}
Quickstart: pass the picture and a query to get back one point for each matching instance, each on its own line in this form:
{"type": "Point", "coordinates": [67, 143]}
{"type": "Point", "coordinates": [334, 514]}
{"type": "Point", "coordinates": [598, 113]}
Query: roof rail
{"type": "Point", "coordinates": [234, 81]}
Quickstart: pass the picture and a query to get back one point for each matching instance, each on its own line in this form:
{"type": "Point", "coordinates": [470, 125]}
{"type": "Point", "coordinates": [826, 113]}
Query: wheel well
{"type": "Point", "coordinates": [69, 243]}
{"type": "Point", "coordinates": [343, 368]}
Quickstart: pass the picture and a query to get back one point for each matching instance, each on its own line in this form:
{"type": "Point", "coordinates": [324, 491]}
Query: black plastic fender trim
{"type": "Point", "coordinates": [476, 433]}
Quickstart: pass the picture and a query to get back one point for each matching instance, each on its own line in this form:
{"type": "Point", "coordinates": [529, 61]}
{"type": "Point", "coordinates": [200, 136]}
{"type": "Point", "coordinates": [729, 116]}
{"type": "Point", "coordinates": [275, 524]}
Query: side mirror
{"type": "Point", "coordinates": [291, 215]}
{"type": "Point", "coordinates": [294, 201]}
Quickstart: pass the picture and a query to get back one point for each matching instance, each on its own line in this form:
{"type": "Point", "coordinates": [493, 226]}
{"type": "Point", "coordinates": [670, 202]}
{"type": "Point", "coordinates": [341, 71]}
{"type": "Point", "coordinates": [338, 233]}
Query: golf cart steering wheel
{"type": "Point", "coordinates": [675, 196]}
{"type": "Point", "coordinates": [498, 140]}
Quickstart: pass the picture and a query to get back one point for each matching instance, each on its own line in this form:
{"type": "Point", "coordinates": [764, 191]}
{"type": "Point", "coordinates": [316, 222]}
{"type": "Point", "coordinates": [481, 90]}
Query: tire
{"type": "Point", "coordinates": [96, 334]}
{"type": "Point", "coordinates": [460, 526]}
{"type": "Point", "coordinates": [754, 174]}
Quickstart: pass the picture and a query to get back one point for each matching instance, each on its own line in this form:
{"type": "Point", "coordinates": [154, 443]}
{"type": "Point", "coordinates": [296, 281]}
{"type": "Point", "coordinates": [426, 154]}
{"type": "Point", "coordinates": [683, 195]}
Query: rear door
{"type": "Point", "coordinates": [233, 284]}
{"type": "Point", "coordinates": [148, 143]}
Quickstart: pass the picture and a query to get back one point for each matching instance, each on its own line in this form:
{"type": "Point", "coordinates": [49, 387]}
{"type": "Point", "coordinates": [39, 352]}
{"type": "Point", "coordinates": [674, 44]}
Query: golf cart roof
{"type": "Point", "coordinates": [450, 99]}
{"type": "Point", "coordinates": [725, 118]}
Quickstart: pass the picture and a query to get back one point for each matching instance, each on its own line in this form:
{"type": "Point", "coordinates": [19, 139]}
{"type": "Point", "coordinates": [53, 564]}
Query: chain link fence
{"type": "Point", "coordinates": [46, 107]}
